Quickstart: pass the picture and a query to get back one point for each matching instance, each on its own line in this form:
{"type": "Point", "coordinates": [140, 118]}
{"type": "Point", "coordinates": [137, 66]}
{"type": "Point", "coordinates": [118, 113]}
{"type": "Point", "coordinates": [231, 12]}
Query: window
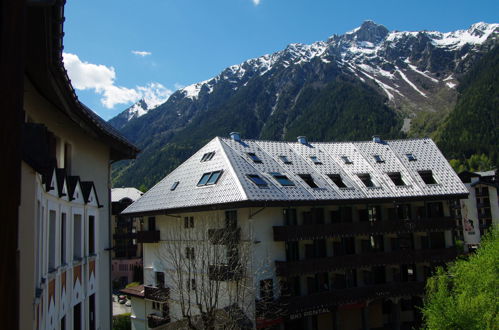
{"type": "Point", "coordinates": [308, 180]}
{"type": "Point", "coordinates": [77, 237]}
{"type": "Point", "coordinates": [366, 179]}
{"type": "Point", "coordinates": [210, 178]}
{"type": "Point", "coordinates": [208, 156]}
{"type": "Point", "coordinates": [52, 231]}
{"type": "Point", "coordinates": [315, 160]}
{"type": "Point", "coordinates": [378, 159]}
{"type": "Point", "coordinates": [336, 178]}
{"type": "Point", "coordinates": [67, 158]}
{"type": "Point", "coordinates": [411, 157]}
{"type": "Point", "coordinates": [91, 235]}
{"type": "Point", "coordinates": [396, 178]}
{"type": "Point", "coordinates": [285, 159]}
{"type": "Point", "coordinates": [290, 217]}
{"type": "Point", "coordinates": [151, 223]}
{"type": "Point", "coordinates": [256, 179]}
{"type": "Point", "coordinates": [346, 160]}
{"type": "Point", "coordinates": [188, 222]}
{"type": "Point", "coordinates": [189, 253]}
{"type": "Point", "coordinates": [160, 279]}
{"type": "Point", "coordinates": [282, 179]}
{"type": "Point", "coordinates": [427, 177]}
{"type": "Point", "coordinates": [254, 157]}
{"type": "Point", "coordinates": [63, 238]}
{"type": "Point", "coordinates": [174, 185]}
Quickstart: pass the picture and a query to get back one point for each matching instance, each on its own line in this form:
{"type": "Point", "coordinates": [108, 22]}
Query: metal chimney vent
{"type": "Point", "coordinates": [236, 136]}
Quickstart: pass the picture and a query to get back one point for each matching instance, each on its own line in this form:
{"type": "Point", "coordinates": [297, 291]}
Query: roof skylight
{"type": "Point", "coordinates": [378, 159]}
{"type": "Point", "coordinates": [282, 179]}
{"type": "Point", "coordinates": [254, 157]}
{"type": "Point", "coordinates": [315, 160]}
{"type": "Point", "coordinates": [256, 179]}
{"type": "Point", "coordinates": [366, 179]}
{"type": "Point", "coordinates": [338, 181]}
{"type": "Point", "coordinates": [284, 159]}
{"type": "Point", "coordinates": [396, 178]}
{"type": "Point", "coordinates": [208, 156]}
{"type": "Point", "coordinates": [210, 178]}
{"type": "Point", "coordinates": [308, 180]}
{"type": "Point", "coordinates": [427, 177]}
{"type": "Point", "coordinates": [346, 160]}
{"type": "Point", "coordinates": [174, 185]}
{"type": "Point", "coordinates": [411, 157]}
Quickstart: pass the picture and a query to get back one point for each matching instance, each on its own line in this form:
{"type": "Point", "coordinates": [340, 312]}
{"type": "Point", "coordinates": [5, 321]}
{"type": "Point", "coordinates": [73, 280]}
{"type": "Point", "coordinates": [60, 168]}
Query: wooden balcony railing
{"type": "Point", "coordinates": [306, 232]}
{"type": "Point", "coordinates": [156, 294]}
{"type": "Point", "coordinates": [322, 301]}
{"type": "Point", "coordinates": [312, 266]}
{"type": "Point", "coordinates": [224, 236]}
{"type": "Point", "coordinates": [154, 321]}
{"type": "Point", "coordinates": [118, 236]}
{"type": "Point", "coordinates": [224, 272]}
{"type": "Point", "coordinates": [149, 236]}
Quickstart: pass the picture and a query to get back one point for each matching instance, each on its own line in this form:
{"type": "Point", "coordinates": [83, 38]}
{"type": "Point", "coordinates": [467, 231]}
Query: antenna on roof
{"type": "Point", "coordinates": [236, 136]}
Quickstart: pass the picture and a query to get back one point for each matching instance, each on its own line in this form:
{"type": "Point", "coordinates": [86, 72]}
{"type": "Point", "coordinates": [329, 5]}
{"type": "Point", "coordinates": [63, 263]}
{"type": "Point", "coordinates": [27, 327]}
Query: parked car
{"type": "Point", "coordinates": [128, 303]}
{"type": "Point", "coordinates": [122, 301]}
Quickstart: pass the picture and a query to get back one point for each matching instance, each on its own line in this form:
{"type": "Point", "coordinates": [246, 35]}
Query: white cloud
{"type": "Point", "coordinates": [178, 86]}
{"type": "Point", "coordinates": [256, 2]}
{"type": "Point", "coordinates": [101, 79]}
{"type": "Point", "coordinates": [141, 53]}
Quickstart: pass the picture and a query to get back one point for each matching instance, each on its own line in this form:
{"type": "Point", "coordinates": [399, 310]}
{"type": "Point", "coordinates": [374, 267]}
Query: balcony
{"type": "Point", "coordinates": [154, 321]}
{"type": "Point", "coordinates": [224, 236]}
{"type": "Point", "coordinates": [483, 205]}
{"type": "Point", "coordinates": [156, 294]}
{"type": "Point", "coordinates": [307, 232]}
{"type": "Point", "coordinates": [296, 306]}
{"type": "Point", "coordinates": [486, 215]}
{"type": "Point", "coordinates": [312, 266]}
{"type": "Point", "coordinates": [149, 236]}
{"type": "Point", "coordinates": [225, 272]}
{"type": "Point", "coordinates": [118, 236]}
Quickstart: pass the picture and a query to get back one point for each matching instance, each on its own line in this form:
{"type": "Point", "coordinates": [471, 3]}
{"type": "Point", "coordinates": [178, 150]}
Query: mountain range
{"type": "Point", "coordinates": [367, 81]}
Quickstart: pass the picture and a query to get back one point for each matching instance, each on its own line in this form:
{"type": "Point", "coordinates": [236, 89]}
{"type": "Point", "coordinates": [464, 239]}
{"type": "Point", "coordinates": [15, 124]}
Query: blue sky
{"type": "Point", "coordinates": [120, 50]}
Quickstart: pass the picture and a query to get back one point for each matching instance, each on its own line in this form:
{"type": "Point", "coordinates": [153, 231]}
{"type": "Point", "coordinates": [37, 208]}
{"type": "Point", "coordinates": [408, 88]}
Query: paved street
{"type": "Point", "coordinates": [119, 308]}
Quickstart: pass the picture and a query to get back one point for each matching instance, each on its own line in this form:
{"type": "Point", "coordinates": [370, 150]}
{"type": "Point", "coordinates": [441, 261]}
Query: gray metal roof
{"type": "Point", "coordinates": [234, 185]}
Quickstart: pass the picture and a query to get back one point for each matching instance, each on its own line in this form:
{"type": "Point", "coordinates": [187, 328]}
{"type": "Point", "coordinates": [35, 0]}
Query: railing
{"type": "Point", "coordinates": [124, 235]}
{"type": "Point", "coordinates": [297, 306]}
{"type": "Point", "coordinates": [305, 232]}
{"type": "Point", "coordinates": [224, 272]}
{"type": "Point", "coordinates": [483, 205]}
{"type": "Point", "coordinates": [224, 236]}
{"type": "Point", "coordinates": [486, 215]}
{"type": "Point", "coordinates": [156, 294]}
{"type": "Point", "coordinates": [154, 321]}
{"type": "Point", "coordinates": [312, 266]}
{"type": "Point", "coordinates": [150, 236]}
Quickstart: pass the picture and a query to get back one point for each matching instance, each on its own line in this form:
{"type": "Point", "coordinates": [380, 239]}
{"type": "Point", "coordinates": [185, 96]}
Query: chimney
{"type": "Point", "coordinates": [236, 136]}
{"type": "Point", "coordinates": [303, 140]}
{"type": "Point", "coordinates": [377, 139]}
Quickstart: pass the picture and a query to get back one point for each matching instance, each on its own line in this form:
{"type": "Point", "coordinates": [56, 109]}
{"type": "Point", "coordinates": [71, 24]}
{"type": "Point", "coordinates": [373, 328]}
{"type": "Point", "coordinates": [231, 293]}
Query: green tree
{"type": "Point", "coordinates": [477, 162]}
{"type": "Point", "coordinates": [122, 322]}
{"type": "Point", "coordinates": [465, 296]}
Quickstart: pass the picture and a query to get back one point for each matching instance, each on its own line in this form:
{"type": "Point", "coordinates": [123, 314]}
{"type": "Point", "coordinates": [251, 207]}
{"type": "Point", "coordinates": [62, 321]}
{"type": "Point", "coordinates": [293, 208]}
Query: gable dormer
{"type": "Point", "coordinates": [51, 184]}
{"type": "Point", "coordinates": [75, 192]}
{"type": "Point", "coordinates": [62, 185]}
{"type": "Point", "coordinates": [90, 193]}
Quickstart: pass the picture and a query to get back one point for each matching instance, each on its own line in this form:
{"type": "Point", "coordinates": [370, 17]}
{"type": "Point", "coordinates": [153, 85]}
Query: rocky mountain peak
{"type": "Point", "coordinates": [369, 31]}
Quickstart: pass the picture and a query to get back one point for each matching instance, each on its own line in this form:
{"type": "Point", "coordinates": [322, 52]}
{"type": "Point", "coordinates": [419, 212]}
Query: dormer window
{"type": "Point", "coordinates": [256, 179]}
{"type": "Point", "coordinates": [282, 179]}
{"type": "Point", "coordinates": [378, 159]}
{"type": "Point", "coordinates": [254, 158]}
{"type": "Point", "coordinates": [315, 160]}
{"type": "Point", "coordinates": [427, 177]}
{"type": "Point", "coordinates": [396, 178]}
{"type": "Point", "coordinates": [285, 159]}
{"type": "Point", "coordinates": [366, 179]}
{"type": "Point", "coordinates": [308, 180]}
{"type": "Point", "coordinates": [338, 181]}
{"type": "Point", "coordinates": [174, 185]}
{"type": "Point", "coordinates": [210, 178]}
{"type": "Point", "coordinates": [346, 160]}
{"type": "Point", "coordinates": [208, 156]}
{"type": "Point", "coordinates": [411, 157]}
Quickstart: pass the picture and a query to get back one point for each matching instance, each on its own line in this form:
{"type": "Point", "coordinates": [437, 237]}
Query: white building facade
{"type": "Point", "coordinates": [319, 235]}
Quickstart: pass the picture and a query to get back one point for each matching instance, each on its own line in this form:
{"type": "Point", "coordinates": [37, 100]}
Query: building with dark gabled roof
{"type": "Point", "coordinates": [325, 235]}
{"type": "Point", "coordinates": [55, 271]}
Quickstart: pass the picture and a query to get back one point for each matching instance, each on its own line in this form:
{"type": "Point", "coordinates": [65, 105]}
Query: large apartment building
{"type": "Point", "coordinates": [64, 243]}
{"type": "Point", "coordinates": [297, 235]}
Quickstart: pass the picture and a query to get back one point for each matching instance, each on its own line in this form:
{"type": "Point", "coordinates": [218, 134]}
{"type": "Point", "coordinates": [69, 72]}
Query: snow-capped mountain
{"type": "Point", "coordinates": [367, 81]}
